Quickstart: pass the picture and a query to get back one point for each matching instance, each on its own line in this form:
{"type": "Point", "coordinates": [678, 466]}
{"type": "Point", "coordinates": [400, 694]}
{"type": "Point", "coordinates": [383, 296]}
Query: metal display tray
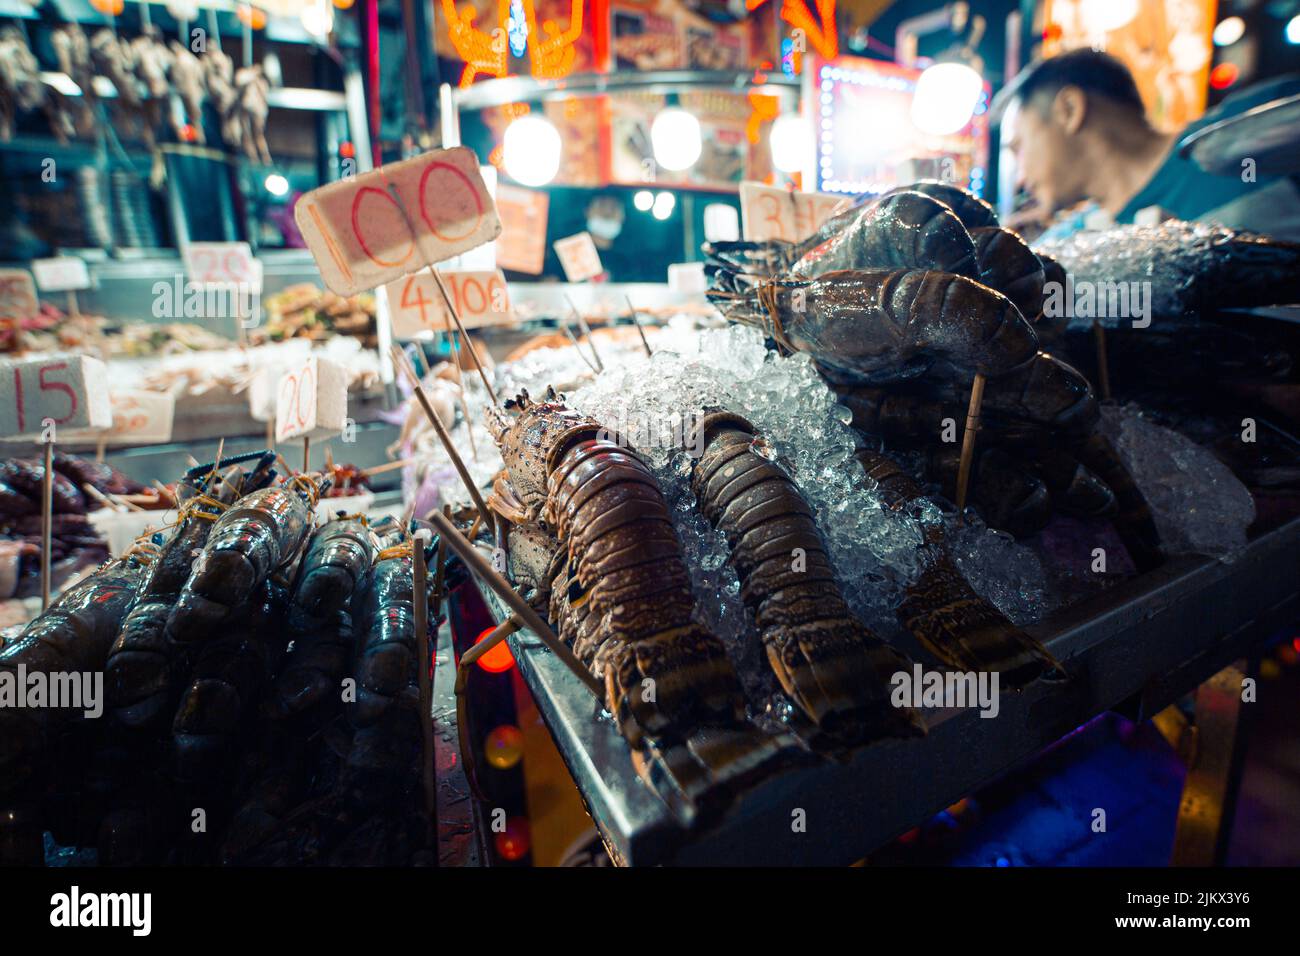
{"type": "Point", "coordinates": [1136, 649]}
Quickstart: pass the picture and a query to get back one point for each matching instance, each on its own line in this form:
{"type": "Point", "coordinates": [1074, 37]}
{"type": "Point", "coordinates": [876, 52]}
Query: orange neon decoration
{"type": "Point", "coordinates": [819, 31]}
{"type": "Point", "coordinates": [550, 49]}
{"type": "Point", "coordinates": [763, 109]}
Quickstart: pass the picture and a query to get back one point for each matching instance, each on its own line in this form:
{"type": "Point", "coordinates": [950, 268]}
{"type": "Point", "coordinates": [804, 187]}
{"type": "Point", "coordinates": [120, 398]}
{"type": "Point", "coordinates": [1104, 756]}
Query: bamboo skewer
{"type": "Point", "coordinates": [470, 555]}
{"type": "Point", "coordinates": [968, 441]}
{"type": "Point", "coordinates": [399, 360]}
{"type": "Point", "coordinates": [637, 322]}
{"type": "Point", "coordinates": [47, 521]}
{"type": "Point", "coordinates": [388, 466]}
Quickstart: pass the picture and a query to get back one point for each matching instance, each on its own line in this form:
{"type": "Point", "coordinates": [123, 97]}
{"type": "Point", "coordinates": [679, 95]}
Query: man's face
{"type": "Point", "coordinates": [1046, 154]}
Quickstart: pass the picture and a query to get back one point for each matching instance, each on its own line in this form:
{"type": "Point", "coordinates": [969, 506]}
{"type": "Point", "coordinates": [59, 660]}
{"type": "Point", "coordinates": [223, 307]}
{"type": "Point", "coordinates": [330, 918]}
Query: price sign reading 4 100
{"type": "Point", "coordinates": [388, 223]}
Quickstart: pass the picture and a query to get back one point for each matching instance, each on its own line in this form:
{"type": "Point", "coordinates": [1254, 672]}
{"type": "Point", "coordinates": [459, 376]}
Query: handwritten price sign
{"type": "Point", "coordinates": [69, 390]}
{"type": "Point", "coordinates": [523, 212]}
{"type": "Point", "coordinates": [362, 235]}
{"type": "Point", "coordinates": [481, 298]}
{"type": "Point", "coordinates": [579, 257]}
{"type": "Point", "coordinates": [767, 212]}
{"type": "Point", "coordinates": [17, 295]}
{"type": "Point", "coordinates": [61, 274]}
{"type": "Point", "coordinates": [139, 418]}
{"type": "Point", "coordinates": [312, 401]}
{"type": "Point", "coordinates": [222, 263]}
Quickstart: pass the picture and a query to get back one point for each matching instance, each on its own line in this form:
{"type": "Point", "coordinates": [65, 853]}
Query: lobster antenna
{"type": "Point", "coordinates": [400, 361]}
{"type": "Point", "coordinates": [586, 330]}
{"type": "Point", "coordinates": [564, 324]}
{"type": "Point", "coordinates": [637, 322]}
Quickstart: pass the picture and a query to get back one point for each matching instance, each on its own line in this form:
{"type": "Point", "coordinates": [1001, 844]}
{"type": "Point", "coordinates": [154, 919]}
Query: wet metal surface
{"type": "Point", "coordinates": [1134, 649]}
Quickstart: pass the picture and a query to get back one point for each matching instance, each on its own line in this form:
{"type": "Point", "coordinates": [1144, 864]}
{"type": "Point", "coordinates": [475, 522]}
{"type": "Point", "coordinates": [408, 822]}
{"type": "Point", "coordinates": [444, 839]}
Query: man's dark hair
{"type": "Point", "coordinates": [1094, 72]}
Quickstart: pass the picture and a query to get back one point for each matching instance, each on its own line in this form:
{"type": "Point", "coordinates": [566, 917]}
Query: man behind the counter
{"type": "Point", "coordinates": [1080, 132]}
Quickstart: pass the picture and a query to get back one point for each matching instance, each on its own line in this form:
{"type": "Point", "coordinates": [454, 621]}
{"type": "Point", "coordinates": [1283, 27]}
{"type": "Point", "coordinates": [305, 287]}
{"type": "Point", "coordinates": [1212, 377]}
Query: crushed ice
{"type": "Point", "coordinates": [1200, 506]}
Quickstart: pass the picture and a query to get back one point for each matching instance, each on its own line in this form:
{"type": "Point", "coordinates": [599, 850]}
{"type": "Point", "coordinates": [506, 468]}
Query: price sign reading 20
{"type": "Point", "coordinates": [385, 224]}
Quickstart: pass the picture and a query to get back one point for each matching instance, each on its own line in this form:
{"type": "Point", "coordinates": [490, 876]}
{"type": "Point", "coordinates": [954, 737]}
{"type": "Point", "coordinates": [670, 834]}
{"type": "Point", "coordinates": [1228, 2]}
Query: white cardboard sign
{"type": "Point", "coordinates": [69, 390]}
{"type": "Point", "coordinates": [392, 221]}
{"type": "Point", "coordinates": [481, 298]}
{"type": "Point", "coordinates": [768, 212]}
{"type": "Point", "coordinates": [579, 257]}
{"type": "Point", "coordinates": [312, 400]}
{"type": "Point", "coordinates": [222, 263]}
{"type": "Point", "coordinates": [62, 274]}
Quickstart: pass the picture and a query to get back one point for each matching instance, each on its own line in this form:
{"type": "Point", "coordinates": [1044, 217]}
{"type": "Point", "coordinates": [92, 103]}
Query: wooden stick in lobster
{"type": "Point", "coordinates": [637, 322]}
{"type": "Point", "coordinates": [420, 591]}
{"type": "Point", "coordinates": [1103, 365]}
{"type": "Point", "coordinates": [400, 361]}
{"type": "Point", "coordinates": [968, 441]}
{"type": "Point", "coordinates": [47, 521]}
{"type": "Point", "coordinates": [306, 454]}
{"type": "Point", "coordinates": [480, 566]}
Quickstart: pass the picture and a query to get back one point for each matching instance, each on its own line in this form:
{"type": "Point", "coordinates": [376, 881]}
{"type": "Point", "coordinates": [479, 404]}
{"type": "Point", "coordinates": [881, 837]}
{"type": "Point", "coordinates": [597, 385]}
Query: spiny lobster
{"type": "Point", "coordinates": [621, 595]}
{"type": "Point", "coordinates": [829, 663]}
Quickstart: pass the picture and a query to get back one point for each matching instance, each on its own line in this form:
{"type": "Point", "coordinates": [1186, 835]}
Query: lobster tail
{"type": "Point", "coordinates": [834, 669]}
{"type": "Point", "coordinates": [944, 613]}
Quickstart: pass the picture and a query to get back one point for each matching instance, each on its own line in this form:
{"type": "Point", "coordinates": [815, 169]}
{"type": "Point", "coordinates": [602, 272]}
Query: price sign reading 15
{"type": "Point", "coordinates": [69, 390]}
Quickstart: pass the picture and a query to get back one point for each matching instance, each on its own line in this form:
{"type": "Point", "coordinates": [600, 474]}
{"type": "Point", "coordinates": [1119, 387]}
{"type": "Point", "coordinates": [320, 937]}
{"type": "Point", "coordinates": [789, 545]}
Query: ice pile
{"type": "Point", "coordinates": [875, 551]}
{"type": "Point", "coordinates": [1199, 505]}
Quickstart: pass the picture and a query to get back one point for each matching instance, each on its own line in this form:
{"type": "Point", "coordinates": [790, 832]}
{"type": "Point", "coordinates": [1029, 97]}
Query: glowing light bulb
{"type": "Point", "coordinates": [531, 151]}
{"type": "Point", "coordinates": [945, 98]}
{"type": "Point", "coordinates": [1292, 30]}
{"type": "Point", "coordinates": [675, 136]}
{"type": "Point", "coordinates": [664, 204]}
{"type": "Point", "coordinates": [1229, 31]}
{"type": "Point", "coordinates": [504, 746]}
{"type": "Point", "coordinates": [792, 144]}
{"type": "Point", "coordinates": [276, 184]}
{"type": "Point", "coordinates": [643, 200]}
{"type": "Point", "coordinates": [499, 659]}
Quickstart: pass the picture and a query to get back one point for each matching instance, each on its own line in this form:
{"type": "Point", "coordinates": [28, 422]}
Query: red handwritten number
{"type": "Point", "coordinates": [424, 209]}
{"type": "Point", "coordinates": [310, 392]}
{"type": "Point", "coordinates": [59, 387]}
{"type": "Point", "coordinates": [356, 227]}
{"type": "Point", "coordinates": [418, 301]}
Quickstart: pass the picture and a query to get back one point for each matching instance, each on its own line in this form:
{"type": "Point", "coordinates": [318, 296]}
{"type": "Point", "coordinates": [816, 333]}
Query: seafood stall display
{"type": "Point", "coordinates": [224, 640]}
{"type": "Point", "coordinates": [649, 434]}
